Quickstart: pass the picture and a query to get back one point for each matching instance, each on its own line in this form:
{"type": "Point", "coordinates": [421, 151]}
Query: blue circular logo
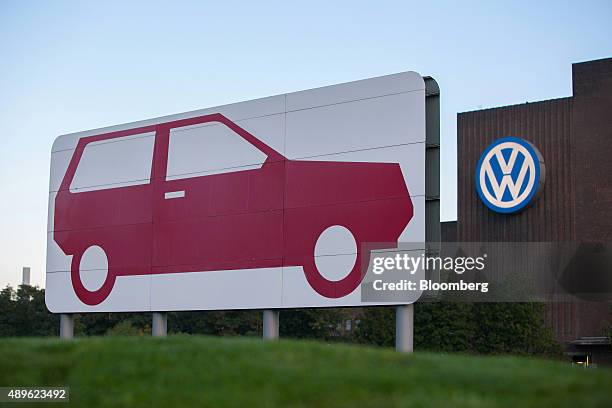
{"type": "Point", "coordinates": [509, 175]}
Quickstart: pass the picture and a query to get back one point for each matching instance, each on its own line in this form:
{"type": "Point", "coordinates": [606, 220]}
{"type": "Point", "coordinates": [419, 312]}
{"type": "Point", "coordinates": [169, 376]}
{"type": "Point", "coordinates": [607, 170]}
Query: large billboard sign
{"type": "Point", "coordinates": [270, 203]}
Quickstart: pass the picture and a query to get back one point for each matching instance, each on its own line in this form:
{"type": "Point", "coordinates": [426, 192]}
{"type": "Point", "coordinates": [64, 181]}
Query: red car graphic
{"type": "Point", "coordinates": [269, 216]}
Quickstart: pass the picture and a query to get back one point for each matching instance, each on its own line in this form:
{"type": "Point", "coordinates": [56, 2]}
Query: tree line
{"type": "Point", "coordinates": [509, 328]}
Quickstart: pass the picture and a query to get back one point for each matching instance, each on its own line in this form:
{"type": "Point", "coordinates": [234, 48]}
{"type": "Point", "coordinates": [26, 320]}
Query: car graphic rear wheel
{"type": "Point", "coordinates": [334, 270]}
{"type": "Point", "coordinates": [92, 278]}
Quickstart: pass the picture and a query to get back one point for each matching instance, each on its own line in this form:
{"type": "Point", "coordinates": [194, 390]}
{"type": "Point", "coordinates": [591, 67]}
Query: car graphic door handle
{"type": "Point", "coordinates": [174, 194]}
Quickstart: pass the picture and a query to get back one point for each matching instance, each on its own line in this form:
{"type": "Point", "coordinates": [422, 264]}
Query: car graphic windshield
{"type": "Point", "coordinates": [209, 148]}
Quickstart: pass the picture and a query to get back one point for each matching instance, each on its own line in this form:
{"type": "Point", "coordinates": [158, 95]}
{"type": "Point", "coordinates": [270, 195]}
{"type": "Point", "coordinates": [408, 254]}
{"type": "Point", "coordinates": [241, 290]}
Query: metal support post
{"type": "Point", "coordinates": [404, 328]}
{"type": "Point", "coordinates": [270, 324]}
{"type": "Point", "coordinates": [66, 326]}
{"type": "Point", "coordinates": [160, 324]}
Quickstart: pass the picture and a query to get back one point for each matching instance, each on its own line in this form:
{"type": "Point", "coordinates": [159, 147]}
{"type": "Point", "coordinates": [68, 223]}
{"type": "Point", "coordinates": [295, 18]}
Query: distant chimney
{"type": "Point", "coordinates": [25, 276]}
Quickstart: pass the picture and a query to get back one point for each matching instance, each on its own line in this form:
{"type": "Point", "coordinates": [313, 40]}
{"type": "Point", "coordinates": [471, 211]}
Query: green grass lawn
{"type": "Point", "coordinates": [190, 371]}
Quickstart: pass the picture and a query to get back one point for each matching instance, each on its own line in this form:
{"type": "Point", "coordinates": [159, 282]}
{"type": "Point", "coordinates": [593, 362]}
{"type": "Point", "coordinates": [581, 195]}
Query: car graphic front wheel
{"type": "Point", "coordinates": [92, 279]}
{"type": "Point", "coordinates": [335, 268]}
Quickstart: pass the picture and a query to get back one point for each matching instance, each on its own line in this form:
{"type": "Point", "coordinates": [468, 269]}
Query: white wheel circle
{"type": "Point", "coordinates": [335, 253]}
{"type": "Point", "coordinates": [93, 268]}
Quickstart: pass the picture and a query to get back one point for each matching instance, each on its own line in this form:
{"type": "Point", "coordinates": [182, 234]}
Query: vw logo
{"type": "Point", "coordinates": [509, 175]}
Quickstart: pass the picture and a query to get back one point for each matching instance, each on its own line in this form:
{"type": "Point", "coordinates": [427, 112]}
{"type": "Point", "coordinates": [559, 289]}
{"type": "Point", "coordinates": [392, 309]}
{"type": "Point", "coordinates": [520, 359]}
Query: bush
{"type": "Point", "coordinates": [486, 328]}
{"type": "Point", "coordinates": [124, 328]}
{"type": "Point", "coordinates": [514, 328]}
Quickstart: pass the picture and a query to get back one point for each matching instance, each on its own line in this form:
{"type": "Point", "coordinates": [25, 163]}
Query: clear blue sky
{"type": "Point", "coordinates": [70, 66]}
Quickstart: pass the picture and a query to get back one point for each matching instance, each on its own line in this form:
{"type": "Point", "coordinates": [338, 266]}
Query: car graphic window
{"type": "Point", "coordinates": [210, 148]}
{"type": "Point", "coordinates": [111, 163]}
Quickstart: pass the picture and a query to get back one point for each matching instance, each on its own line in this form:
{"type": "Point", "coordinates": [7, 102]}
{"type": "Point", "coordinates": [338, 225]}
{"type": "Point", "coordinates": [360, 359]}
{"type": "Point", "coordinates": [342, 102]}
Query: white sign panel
{"type": "Point", "coordinates": [270, 203]}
